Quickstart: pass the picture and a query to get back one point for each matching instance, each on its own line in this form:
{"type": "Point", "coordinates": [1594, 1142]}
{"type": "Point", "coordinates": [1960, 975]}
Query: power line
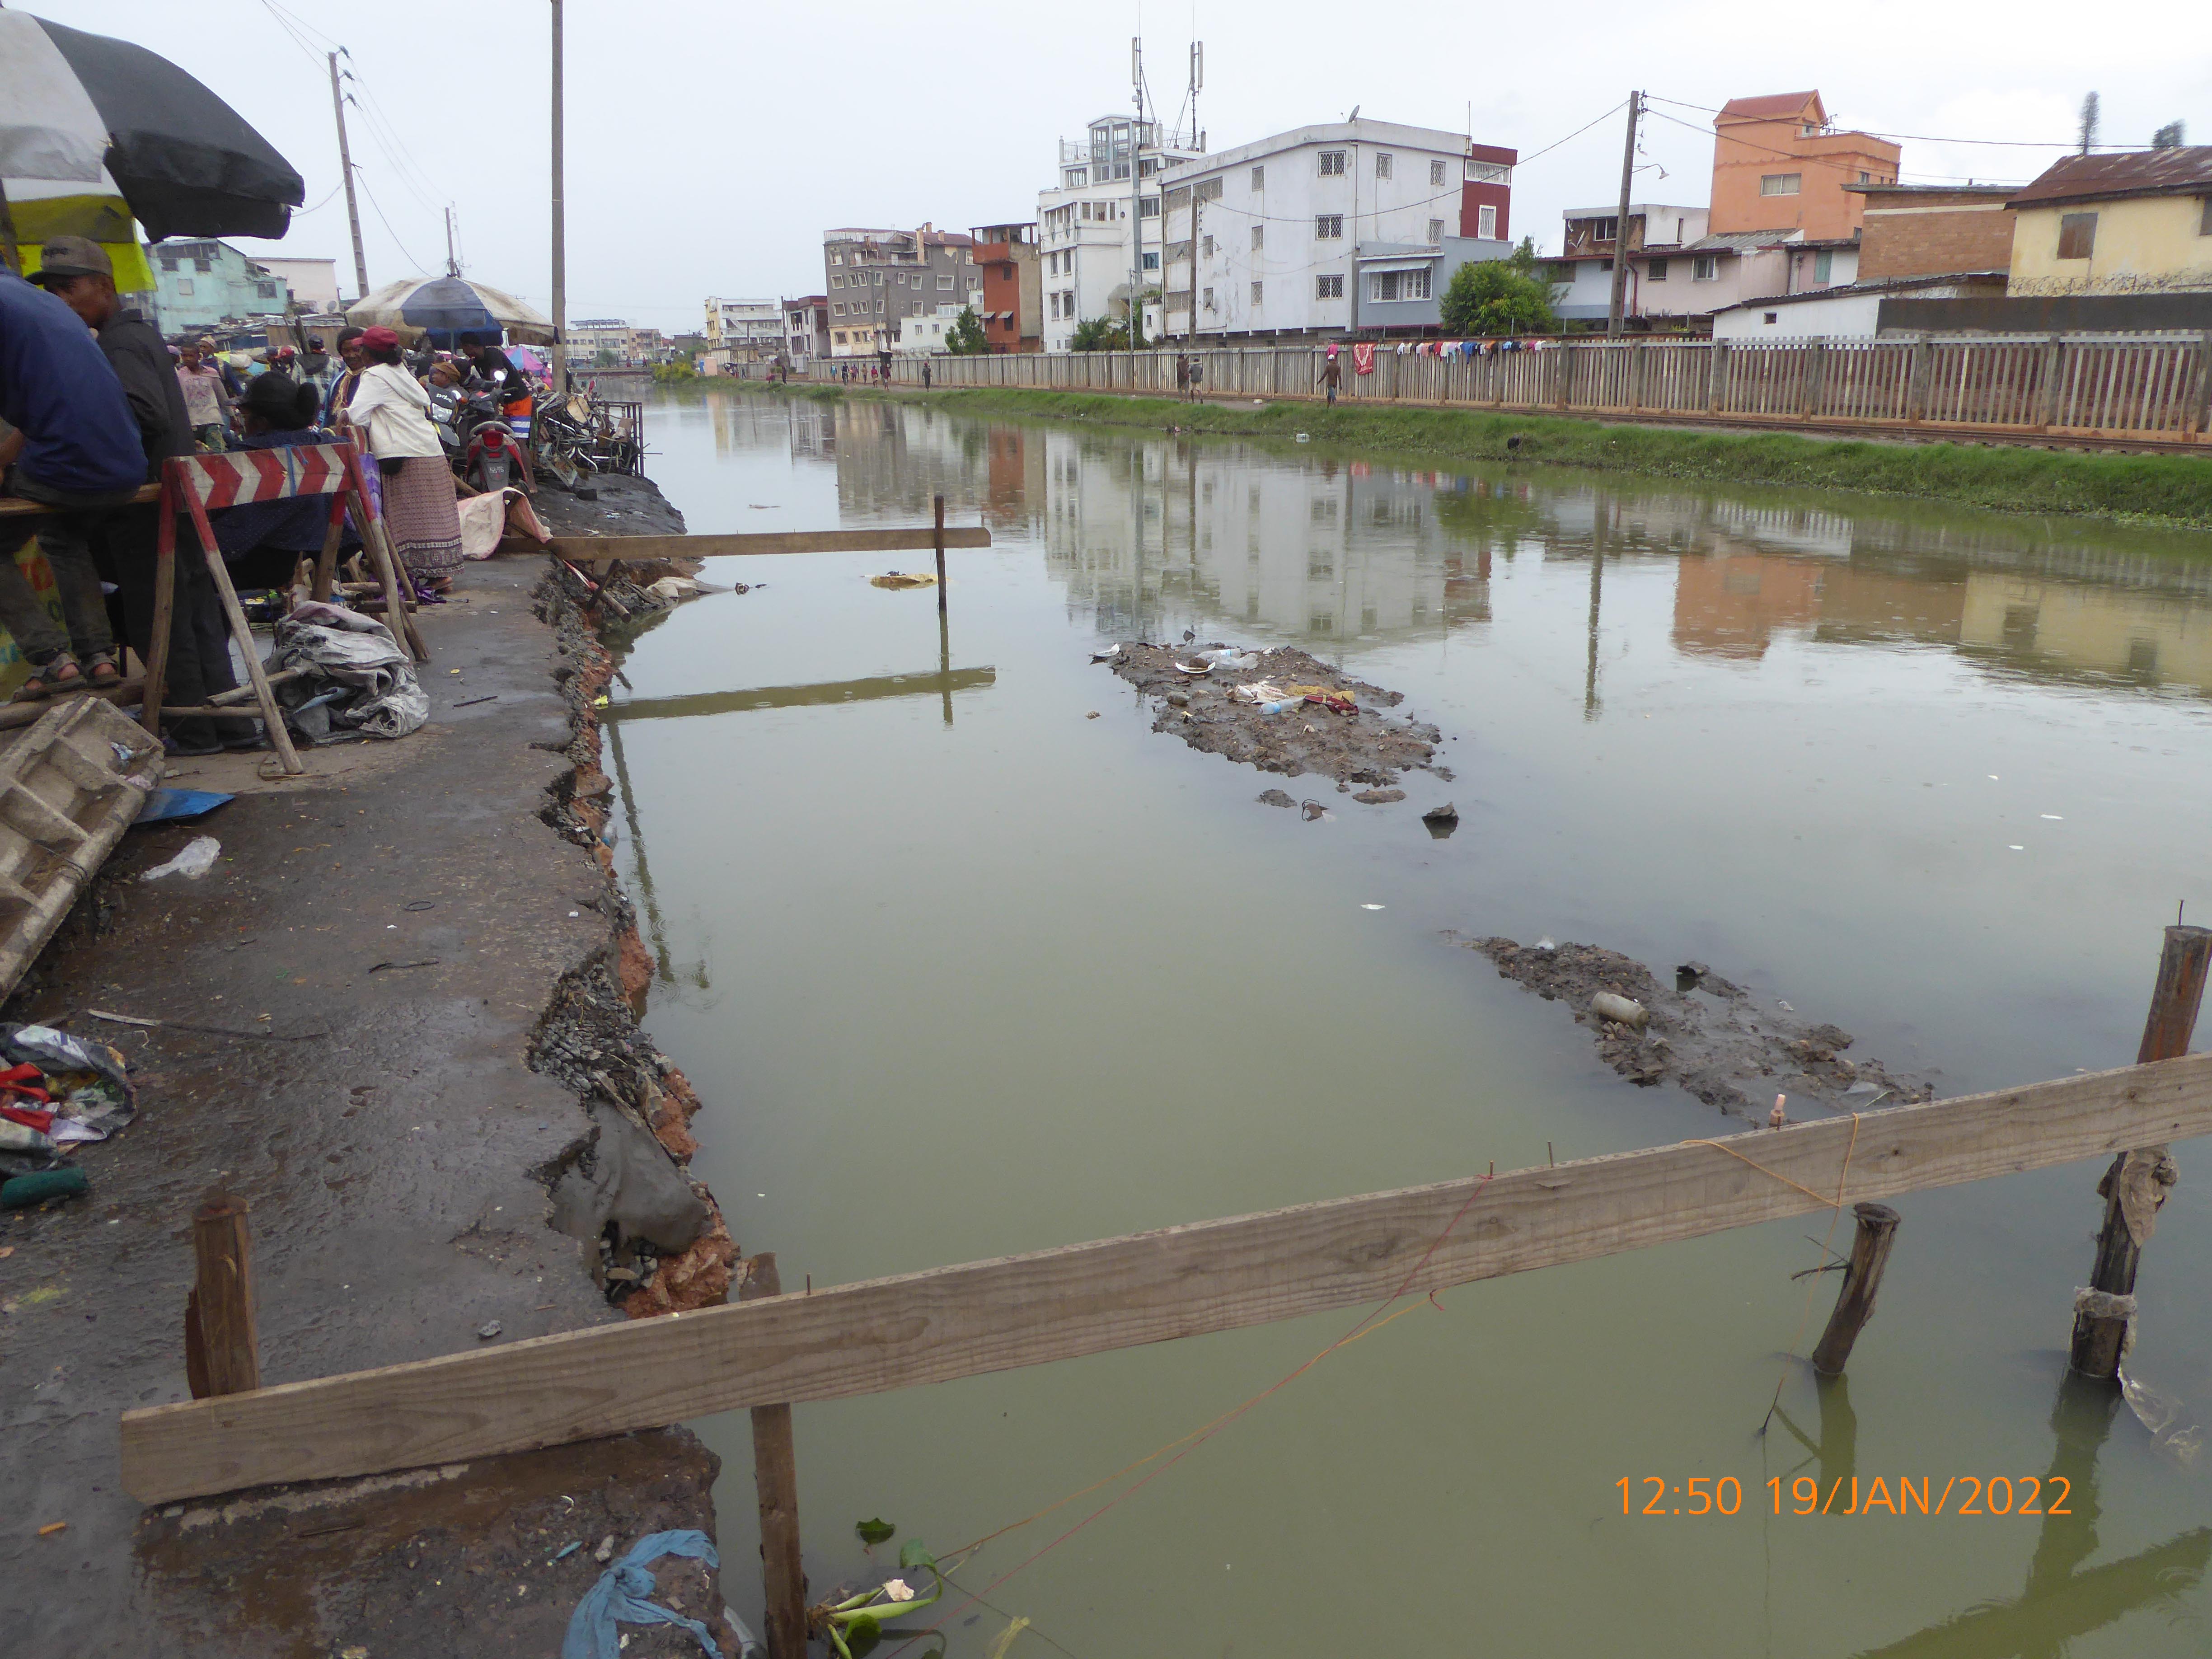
{"type": "Point", "coordinates": [1836, 165]}
{"type": "Point", "coordinates": [1925, 138]}
{"type": "Point", "coordinates": [394, 235]}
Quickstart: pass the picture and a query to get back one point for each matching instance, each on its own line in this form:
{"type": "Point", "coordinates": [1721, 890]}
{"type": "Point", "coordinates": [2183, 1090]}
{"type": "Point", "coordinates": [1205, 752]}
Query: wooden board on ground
{"type": "Point", "coordinates": [599, 549]}
{"type": "Point", "coordinates": [66, 797]}
{"type": "Point", "coordinates": [1148, 1287]}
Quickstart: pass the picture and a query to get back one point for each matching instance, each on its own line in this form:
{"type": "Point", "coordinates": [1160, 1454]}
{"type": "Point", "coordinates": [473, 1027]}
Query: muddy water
{"type": "Point", "coordinates": [962, 971]}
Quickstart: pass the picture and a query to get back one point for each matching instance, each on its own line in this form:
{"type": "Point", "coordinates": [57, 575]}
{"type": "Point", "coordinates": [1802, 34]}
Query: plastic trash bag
{"type": "Point", "coordinates": [93, 1097]}
{"type": "Point", "coordinates": [195, 860]}
{"type": "Point", "coordinates": [344, 647]}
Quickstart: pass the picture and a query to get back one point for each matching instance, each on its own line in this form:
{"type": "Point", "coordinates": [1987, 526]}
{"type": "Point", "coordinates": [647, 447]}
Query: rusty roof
{"type": "Point", "coordinates": [1771, 105]}
{"type": "Point", "coordinates": [2184, 170]}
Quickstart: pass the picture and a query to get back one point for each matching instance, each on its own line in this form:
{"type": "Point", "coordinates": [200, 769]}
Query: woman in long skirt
{"type": "Point", "coordinates": [420, 513]}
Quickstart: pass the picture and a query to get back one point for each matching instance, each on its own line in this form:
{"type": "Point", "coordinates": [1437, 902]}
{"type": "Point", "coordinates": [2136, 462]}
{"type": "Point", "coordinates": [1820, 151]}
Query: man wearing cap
{"type": "Point", "coordinates": [74, 447]}
{"type": "Point", "coordinates": [76, 271]}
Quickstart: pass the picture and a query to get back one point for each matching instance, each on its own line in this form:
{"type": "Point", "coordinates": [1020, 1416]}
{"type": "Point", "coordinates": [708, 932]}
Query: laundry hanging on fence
{"type": "Point", "coordinates": [1363, 359]}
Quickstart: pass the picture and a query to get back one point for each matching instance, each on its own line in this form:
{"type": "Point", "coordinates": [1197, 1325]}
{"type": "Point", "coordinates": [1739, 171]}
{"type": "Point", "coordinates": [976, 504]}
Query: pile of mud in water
{"type": "Point", "coordinates": [1707, 1035]}
{"type": "Point", "coordinates": [1349, 738]}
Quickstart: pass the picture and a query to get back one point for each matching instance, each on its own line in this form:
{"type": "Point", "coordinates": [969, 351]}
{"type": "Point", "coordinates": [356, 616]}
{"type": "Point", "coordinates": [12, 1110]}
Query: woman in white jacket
{"type": "Point", "coordinates": [393, 411]}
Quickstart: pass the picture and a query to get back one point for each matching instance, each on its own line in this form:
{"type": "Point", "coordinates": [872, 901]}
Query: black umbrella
{"type": "Point", "coordinates": [185, 161]}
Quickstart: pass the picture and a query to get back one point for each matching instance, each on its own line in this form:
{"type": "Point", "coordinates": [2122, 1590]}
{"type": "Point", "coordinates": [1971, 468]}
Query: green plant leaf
{"type": "Point", "coordinates": [874, 1531]}
{"type": "Point", "coordinates": [915, 1553]}
{"type": "Point", "coordinates": [862, 1635]}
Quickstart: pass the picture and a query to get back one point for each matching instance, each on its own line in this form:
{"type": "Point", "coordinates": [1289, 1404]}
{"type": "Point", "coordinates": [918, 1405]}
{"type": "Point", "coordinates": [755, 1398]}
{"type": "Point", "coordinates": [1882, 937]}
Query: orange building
{"type": "Point", "coordinates": [1777, 165]}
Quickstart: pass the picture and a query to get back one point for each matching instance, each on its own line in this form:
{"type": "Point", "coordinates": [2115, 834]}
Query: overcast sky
{"type": "Point", "coordinates": [710, 143]}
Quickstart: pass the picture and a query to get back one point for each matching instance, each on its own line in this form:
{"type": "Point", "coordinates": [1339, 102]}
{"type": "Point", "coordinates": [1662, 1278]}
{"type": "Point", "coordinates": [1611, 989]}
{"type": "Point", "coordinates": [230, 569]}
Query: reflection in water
{"type": "Point", "coordinates": [2062, 1600]}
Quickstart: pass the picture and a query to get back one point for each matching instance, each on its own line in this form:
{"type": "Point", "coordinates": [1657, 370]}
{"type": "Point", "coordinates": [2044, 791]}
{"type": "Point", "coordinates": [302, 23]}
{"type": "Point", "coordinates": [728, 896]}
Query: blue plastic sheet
{"type": "Point", "coordinates": [164, 805]}
{"type": "Point", "coordinates": [620, 1597]}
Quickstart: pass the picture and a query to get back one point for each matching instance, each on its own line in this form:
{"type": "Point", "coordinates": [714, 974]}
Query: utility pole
{"type": "Point", "coordinates": [1136, 203]}
{"type": "Point", "coordinates": [1620, 221]}
{"type": "Point", "coordinates": [560, 231]}
{"type": "Point", "coordinates": [453, 266]}
{"type": "Point", "coordinates": [345, 166]}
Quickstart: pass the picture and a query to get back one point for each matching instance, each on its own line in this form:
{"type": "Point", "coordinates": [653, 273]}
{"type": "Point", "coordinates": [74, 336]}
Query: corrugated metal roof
{"type": "Point", "coordinates": [1875, 285]}
{"type": "Point", "coordinates": [2185, 170]}
{"type": "Point", "coordinates": [1739, 241]}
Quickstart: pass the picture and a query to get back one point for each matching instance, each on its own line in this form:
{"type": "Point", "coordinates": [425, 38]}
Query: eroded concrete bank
{"type": "Point", "coordinates": [397, 1011]}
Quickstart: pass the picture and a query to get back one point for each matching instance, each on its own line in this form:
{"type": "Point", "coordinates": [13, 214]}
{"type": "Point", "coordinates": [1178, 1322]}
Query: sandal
{"type": "Point", "coordinates": [50, 678]}
{"type": "Point", "coordinates": [100, 667]}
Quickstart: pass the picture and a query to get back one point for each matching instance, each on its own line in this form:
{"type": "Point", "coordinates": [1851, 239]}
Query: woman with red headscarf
{"type": "Point", "coordinates": [390, 408]}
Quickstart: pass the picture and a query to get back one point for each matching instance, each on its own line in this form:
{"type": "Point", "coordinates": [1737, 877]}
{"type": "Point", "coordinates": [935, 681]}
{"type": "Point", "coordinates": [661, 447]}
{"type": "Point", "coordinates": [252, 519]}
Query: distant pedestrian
{"type": "Point", "coordinates": [925, 376]}
{"type": "Point", "coordinates": [347, 380]}
{"type": "Point", "coordinates": [1197, 377]}
{"type": "Point", "coordinates": [1182, 374]}
{"type": "Point", "coordinates": [1332, 376]}
{"type": "Point", "coordinates": [207, 399]}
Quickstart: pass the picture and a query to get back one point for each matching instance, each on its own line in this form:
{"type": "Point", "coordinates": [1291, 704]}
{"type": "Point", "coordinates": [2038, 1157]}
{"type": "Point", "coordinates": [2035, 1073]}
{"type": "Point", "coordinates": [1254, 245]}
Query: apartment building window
{"type": "Point", "coordinates": [1383, 164]}
{"type": "Point", "coordinates": [1435, 232]}
{"type": "Point", "coordinates": [879, 306]}
{"type": "Point", "coordinates": [1332, 164]}
{"type": "Point", "coordinates": [1257, 288]}
{"type": "Point", "coordinates": [1706, 268]}
{"type": "Point", "coordinates": [1605, 230]}
{"type": "Point", "coordinates": [2077, 236]}
{"type": "Point", "coordinates": [944, 283]}
{"type": "Point", "coordinates": [879, 275]}
{"type": "Point", "coordinates": [1259, 237]}
{"type": "Point", "coordinates": [835, 281]}
{"type": "Point", "coordinates": [1151, 262]}
{"type": "Point", "coordinates": [1824, 267]}
{"type": "Point", "coordinates": [1486, 223]}
{"type": "Point", "coordinates": [1656, 271]}
{"type": "Point", "coordinates": [1328, 287]}
{"type": "Point", "coordinates": [1206, 298]}
{"type": "Point", "coordinates": [837, 310]}
{"type": "Point", "coordinates": [1259, 177]}
{"type": "Point", "coordinates": [1328, 227]}
{"type": "Point", "coordinates": [1781, 184]}
{"type": "Point", "coordinates": [2204, 224]}
{"type": "Point", "coordinates": [184, 285]}
{"type": "Point", "coordinates": [1436, 173]}
{"type": "Point", "coordinates": [1205, 247]}
{"type": "Point", "coordinates": [1393, 285]}
{"type": "Point", "coordinates": [1148, 207]}
{"type": "Point", "coordinates": [836, 258]}
{"type": "Point", "coordinates": [1488, 173]}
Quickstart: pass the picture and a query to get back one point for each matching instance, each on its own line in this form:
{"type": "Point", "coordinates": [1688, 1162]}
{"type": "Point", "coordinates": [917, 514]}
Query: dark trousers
{"type": "Point", "coordinates": [65, 537]}
{"type": "Point", "coordinates": [199, 634]}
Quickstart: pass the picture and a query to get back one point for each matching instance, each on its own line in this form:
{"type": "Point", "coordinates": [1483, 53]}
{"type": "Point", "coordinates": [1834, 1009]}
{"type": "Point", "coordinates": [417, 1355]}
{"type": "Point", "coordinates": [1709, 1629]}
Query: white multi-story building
{"type": "Point", "coordinates": [1084, 228]}
{"type": "Point", "coordinates": [1261, 239]}
{"type": "Point", "coordinates": [743, 330]}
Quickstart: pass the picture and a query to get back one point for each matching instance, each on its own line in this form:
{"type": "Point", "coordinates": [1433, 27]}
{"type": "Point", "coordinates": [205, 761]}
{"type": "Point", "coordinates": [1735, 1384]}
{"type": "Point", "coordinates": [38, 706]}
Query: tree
{"type": "Point", "coordinates": [1099, 334]}
{"type": "Point", "coordinates": [965, 337]}
{"type": "Point", "coordinates": [1499, 296]}
{"type": "Point", "coordinates": [603, 358]}
{"type": "Point", "coordinates": [2173, 136]}
{"type": "Point", "coordinates": [2089, 113]}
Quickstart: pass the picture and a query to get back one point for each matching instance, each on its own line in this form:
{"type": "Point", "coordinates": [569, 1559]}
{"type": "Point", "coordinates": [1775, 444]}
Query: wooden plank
{"type": "Point", "coordinates": [1182, 1281]}
{"type": "Point", "coordinates": [15, 507]}
{"type": "Point", "coordinates": [599, 549]}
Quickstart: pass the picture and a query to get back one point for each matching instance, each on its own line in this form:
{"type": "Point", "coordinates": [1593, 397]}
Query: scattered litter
{"type": "Point", "coordinates": [356, 658]}
{"type": "Point", "coordinates": [51, 1528]}
{"type": "Point", "coordinates": [567, 1551]}
{"type": "Point", "coordinates": [2160, 1413]}
{"type": "Point", "coordinates": [620, 1595]}
{"type": "Point", "coordinates": [1622, 1010]}
{"type": "Point", "coordinates": [1314, 809]}
{"type": "Point", "coordinates": [1544, 944]}
{"type": "Point", "coordinates": [427, 962]}
{"type": "Point", "coordinates": [674, 588]}
{"type": "Point", "coordinates": [1303, 439]}
{"type": "Point", "coordinates": [903, 578]}
{"type": "Point", "coordinates": [1783, 1006]}
{"type": "Point", "coordinates": [605, 1552]}
{"type": "Point", "coordinates": [1777, 1118]}
{"type": "Point", "coordinates": [1993, 777]}
{"type": "Point", "coordinates": [1371, 907]}
{"type": "Point", "coordinates": [162, 805]}
{"type": "Point", "coordinates": [21, 1192]}
{"type": "Point", "coordinates": [420, 905]}
{"type": "Point", "coordinates": [1107, 654]}
{"type": "Point", "coordinates": [1092, 715]}
{"type": "Point", "coordinates": [470, 703]}
{"type": "Point", "coordinates": [2014, 846]}
{"type": "Point", "coordinates": [204, 1030]}
{"type": "Point", "coordinates": [488, 1330]}
{"type": "Point", "coordinates": [2054, 818]}
{"type": "Point", "coordinates": [195, 860]}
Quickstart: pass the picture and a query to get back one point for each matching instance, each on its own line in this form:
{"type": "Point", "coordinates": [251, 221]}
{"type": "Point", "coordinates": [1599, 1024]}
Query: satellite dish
{"type": "Point", "coordinates": [1354, 116]}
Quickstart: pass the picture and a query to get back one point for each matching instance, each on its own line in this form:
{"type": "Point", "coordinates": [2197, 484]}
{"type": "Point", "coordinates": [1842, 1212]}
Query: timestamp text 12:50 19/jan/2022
{"type": "Point", "coordinates": [2028, 1497]}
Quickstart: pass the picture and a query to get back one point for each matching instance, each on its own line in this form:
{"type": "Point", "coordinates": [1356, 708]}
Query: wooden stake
{"type": "Point", "coordinates": [223, 1346]}
{"type": "Point", "coordinates": [1862, 1281]}
{"type": "Point", "coordinates": [2138, 1180]}
{"type": "Point", "coordinates": [165, 604]}
{"type": "Point", "coordinates": [775, 1476]}
{"type": "Point", "coordinates": [940, 544]}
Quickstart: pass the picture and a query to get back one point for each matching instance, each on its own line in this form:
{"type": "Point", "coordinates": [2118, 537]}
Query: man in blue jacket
{"type": "Point", "coordinates": [76, 447]}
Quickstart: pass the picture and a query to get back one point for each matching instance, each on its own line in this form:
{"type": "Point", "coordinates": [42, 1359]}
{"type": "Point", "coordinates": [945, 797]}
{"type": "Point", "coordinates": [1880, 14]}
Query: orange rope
{"type": "Point", "coordinates": [1375, 1320]}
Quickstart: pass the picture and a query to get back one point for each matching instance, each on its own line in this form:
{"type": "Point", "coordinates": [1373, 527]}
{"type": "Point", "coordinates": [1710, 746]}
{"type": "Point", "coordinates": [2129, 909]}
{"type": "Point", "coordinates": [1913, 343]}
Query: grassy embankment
{"type": "Point", "coordinates": [2161, 489]}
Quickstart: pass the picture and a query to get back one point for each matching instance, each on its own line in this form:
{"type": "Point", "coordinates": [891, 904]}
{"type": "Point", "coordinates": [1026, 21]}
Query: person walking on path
{"type": "Point", "coordinates": [1197, 377]}
{"type": "Point", "coordinates": [207, 400]}
{"type": "Point", "coordinates": [1331, 376]}
{"type": "Point", "coordinates": [123, 540]}
{"type": "Point", "coordinates": [420, 509]}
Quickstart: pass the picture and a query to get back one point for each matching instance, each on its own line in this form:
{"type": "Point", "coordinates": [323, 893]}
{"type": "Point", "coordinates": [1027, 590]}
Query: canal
{"type": "Point", "coordinates": [961, 970]}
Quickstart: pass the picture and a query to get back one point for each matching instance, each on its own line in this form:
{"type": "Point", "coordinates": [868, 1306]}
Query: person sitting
{"type": "Point", "coordinates": [262, 541]}
{"type": "Point", "coordinates": [492, 369]}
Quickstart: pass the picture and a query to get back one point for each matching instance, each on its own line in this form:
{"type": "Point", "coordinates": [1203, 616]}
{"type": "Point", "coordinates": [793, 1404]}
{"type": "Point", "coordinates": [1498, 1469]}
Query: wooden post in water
{"type": "Point", "coordinates": [940, 544]}
{"type": "Point", "coordinates": [223, 1346]}
{"type": "Point", "coordinates": [2138, 1180]}
{"type": "Point", "coordinates": [775, 1477]}
{"type": "Point", "coordinates": [1862, 1280]}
